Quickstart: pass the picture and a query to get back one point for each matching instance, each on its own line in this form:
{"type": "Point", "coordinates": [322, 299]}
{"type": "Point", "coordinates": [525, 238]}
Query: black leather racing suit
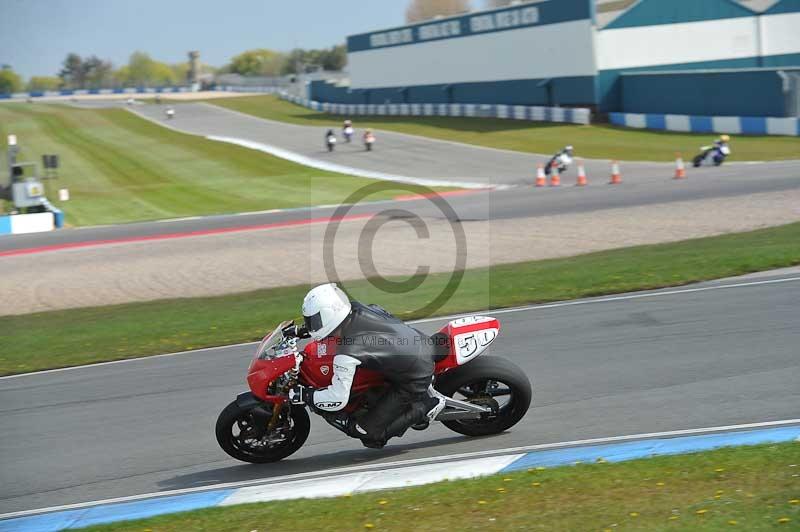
{"type": "Point", "coordinates": [405, 357]}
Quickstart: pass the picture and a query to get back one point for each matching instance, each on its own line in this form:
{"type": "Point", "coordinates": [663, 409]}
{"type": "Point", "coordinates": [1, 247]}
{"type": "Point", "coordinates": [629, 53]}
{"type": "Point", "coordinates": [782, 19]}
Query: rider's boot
{"type": "Point", "coordinates": [434, 404]}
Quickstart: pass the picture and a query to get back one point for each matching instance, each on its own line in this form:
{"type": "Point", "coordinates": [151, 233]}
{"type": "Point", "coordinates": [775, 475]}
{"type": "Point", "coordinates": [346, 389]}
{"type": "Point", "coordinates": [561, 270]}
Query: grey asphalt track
{"type": "Point", "coordinates": [644, 183]}
{"type": "Point", "coordinates": [501, 204]}
{"type": "Point", "coordinates": [395, 153]}
{"type": "Point", "coordinates": [601, 368]}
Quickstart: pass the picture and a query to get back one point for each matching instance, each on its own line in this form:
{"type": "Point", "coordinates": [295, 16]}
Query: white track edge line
{"type": "Point", "coordinates": [319, 164]}
{"type": "Point", "coordinates": [442, 318]}
{"type": "Point", "coordinates": [343, 169]}
{"type": "Point", "coordinates": [403, 463]}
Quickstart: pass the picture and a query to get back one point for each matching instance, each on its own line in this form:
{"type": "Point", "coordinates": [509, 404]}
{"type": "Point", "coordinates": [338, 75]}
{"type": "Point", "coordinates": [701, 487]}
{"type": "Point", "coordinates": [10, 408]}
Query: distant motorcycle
{"type": "Point", "coordinates": [369, 140]}
{"type": "Point", "coordinates": [170, 112]}
{"type": "Point", "coordinates": [348, 133]}
{"type": "Point", "coordinates": [562, 160]}
{"type": "Point", "coordinates": [715, 155]}
{"type": "Point", "coordinates": [330, 142]}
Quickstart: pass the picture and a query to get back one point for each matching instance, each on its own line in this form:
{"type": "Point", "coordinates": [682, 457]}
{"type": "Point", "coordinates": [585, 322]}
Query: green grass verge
{"type": "Point", "coordinates": [80, 336]}
{"type": "Point", "coordinates": [744, 488]}
{"type": "Point", "coordinates": [122, 168]}
{"type": "Point", "coordinates": [595, 141]}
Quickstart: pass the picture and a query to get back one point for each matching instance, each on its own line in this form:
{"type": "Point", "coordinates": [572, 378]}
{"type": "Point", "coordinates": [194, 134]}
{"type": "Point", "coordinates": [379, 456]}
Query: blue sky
{"type": "Point", "coordinates": [36, 35]}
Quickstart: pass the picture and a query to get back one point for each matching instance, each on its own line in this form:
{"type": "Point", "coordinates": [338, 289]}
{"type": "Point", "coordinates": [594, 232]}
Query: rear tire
{"type": "Point", "coordinates": [488, 368]}
{"type": "Point", "coordinates": [235, 418]}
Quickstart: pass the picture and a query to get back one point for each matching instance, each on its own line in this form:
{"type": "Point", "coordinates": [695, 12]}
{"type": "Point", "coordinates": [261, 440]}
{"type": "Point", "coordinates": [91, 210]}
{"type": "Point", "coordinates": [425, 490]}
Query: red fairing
{"type": "Point", "coordinates": [317, 368]}
{"type": "Point", "coordinates": [263, 372]}
{"type": "Point", "coordinates": [469, 337]}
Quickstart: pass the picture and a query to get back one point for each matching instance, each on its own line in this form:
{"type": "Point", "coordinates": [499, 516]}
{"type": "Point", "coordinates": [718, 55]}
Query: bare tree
{"type": "Point", "coordinates": [419, 10]}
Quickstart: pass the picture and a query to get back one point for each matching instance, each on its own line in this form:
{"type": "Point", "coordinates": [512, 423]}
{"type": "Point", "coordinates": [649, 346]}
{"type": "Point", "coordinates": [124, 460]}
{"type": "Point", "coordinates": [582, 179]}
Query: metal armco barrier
{"type": "Point", "coordinates": [511, 112]}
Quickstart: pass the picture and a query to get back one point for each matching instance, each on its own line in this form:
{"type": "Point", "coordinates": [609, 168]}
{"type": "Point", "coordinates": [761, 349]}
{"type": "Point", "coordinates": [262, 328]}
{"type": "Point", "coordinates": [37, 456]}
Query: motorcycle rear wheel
{"type": "Point", "coordinates": [481, 381]}
{"type": "Point", "coordinates": [233, 425]}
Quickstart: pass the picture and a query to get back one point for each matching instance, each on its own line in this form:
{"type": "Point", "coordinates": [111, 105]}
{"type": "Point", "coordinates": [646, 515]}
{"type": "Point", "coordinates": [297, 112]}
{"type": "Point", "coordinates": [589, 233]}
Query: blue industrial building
{"type": "Point", "coordinates": [693, 57]}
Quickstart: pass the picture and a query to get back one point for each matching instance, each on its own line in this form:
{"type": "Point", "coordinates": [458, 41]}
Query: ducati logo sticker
{"type": "Point", "coordinates": [324, 369]}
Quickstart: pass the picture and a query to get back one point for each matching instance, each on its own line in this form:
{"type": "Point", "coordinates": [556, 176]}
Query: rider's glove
{"type": "Point", "coordinates": [295, 331]}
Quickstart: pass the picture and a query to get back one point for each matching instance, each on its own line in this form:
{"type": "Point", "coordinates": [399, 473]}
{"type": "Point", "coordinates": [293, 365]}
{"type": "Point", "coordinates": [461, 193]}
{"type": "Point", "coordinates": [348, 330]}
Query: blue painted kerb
{"type": "Point", "coordinates": [620, 452]}
{"type": "Point", "coordinates": [110, 513]}
{"type": "Point", "coordinates": [611, 452]}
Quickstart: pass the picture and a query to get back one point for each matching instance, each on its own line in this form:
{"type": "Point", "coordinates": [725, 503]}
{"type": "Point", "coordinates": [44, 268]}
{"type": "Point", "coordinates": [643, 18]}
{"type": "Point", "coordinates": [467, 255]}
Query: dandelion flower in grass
{"type": "Point", "coordinates": [674, 517]}
{"type": "Point", "coordinates": [507, 479]}
{"type": "Point", "coordinates": [719, 470]}
{"type": "Point", "coordinates": [659, 483]}
{"type": "Point", "coordinates": [784, 520]}
{"type": "Point", "coordinates": [794, 501]}
{"type": "Point", "coordinates": [536, 484]}
{"type": "Point", "coordinates": [634, 514]}
{"type": "Point", "coordinates": [481, 502]}
{"type": "Point", "coordinates": [383, 501]}
{"type": "Point", "coordinates": [717, 496]}
{"type": "Point", "coordinates": [501, 490]}
{"type": "Point", "coordinates": [369, 525]}
{"type": "Point", "coordinates": [701, 511]}
{"type": "Point", "coordinates": [733, 522]}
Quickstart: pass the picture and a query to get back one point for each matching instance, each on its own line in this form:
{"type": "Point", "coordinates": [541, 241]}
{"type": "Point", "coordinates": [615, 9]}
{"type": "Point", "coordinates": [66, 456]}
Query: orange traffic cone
{"type": "Point", "coordinates": [680, 168]}
{"type": "Point", "coordinates": [581, 182]}
{"type": "Point", "coordinates": [555, 175]}
{"type": "Point", "coordinates": [616, 176]}
{"type": "Point", "coordinates": [540, 178]}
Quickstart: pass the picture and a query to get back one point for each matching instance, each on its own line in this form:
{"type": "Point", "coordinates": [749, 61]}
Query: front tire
{"type": "Point", "coordinates": [235, 426]}
{"type": "Point", "coordinates": [482, 381]}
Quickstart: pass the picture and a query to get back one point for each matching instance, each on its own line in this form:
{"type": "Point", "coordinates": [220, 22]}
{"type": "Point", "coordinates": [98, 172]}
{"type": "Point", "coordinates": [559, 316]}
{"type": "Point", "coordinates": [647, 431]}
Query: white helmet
{"type": "Point", "coordinates": [324, 308]}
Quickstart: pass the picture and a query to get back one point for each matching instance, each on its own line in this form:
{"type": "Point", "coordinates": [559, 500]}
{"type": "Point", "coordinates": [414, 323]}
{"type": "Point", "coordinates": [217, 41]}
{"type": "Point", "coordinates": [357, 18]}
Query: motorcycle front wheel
{"type": "Point", "coordinates": [488, 381]}
{"type": "Point", "coordinates": [241, 432]}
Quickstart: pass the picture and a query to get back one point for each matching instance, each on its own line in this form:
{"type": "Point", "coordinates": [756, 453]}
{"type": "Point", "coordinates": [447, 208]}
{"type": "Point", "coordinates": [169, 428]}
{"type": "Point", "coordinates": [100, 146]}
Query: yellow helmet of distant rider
{"type": "Point", "coordinates": [725, 138]}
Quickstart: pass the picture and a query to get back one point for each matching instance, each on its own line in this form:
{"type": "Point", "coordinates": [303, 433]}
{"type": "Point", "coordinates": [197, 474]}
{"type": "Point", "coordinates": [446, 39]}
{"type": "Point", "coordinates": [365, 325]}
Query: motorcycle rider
{"type": "Point", "coordinates": [369, 337]}
{"type": "Point", "coordinates": [369, 138]}
{"type": "Point", "coordinates": [347, 130]}
{"type": "Point", "coordinates": [723, 140]}
{"type": "Point", "coordinates": [330, 139]}
{"type": "Point", "coordinates": [562, 157]}
{"type": "Point", "coordinates": [719, 148]}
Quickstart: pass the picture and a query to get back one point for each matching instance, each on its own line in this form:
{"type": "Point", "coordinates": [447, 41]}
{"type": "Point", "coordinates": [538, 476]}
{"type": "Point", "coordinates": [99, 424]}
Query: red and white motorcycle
{"type": "Point", "coordinates": [486, 395]}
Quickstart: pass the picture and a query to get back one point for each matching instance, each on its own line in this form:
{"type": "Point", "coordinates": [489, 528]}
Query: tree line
{"type": "Point", "coordinates": [92, 72]}
{"type": "Point", "coordinates": [265, 62]}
